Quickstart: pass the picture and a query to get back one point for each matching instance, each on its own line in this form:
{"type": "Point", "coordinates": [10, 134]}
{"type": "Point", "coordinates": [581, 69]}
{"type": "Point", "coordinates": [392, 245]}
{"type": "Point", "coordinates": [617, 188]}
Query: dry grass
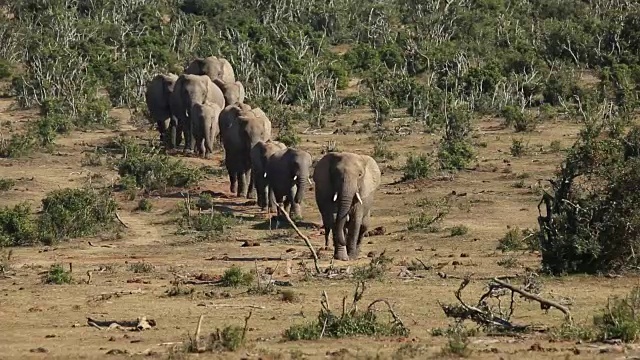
{"type": "Point", "coordinates": [486, 202]}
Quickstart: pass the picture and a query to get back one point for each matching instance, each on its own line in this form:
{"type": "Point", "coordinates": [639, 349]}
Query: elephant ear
{"type": "Point", "coordinates": [372, 176]}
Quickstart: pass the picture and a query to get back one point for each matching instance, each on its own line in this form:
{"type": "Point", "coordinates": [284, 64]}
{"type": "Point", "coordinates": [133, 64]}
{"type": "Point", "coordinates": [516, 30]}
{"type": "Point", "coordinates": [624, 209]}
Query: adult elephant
{"type": "Point", "coordinates": [288, 173]}
{"type": "Point", "coordinates": [212, 66]}
{"type": "Point", "coordinates": [189, 90]}
{"type": "Point", "coordinates": [157, 94]}
{"type": "Point", "coordinates": [204, 126]}
{"type": "Point", "coordinates": [345, 184]}
{"type": "Point", "coordinates": [241, 127]}
{"type": "Point", "coordinates": [233, 91]}
{"type": "Point", "coordinates": [260, 153]}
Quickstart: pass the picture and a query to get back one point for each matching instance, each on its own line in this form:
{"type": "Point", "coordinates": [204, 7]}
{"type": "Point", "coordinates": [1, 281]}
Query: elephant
{"type": "Point", "coordinates": [204, 126]}
{"type": "Point", "coordinates": [233, 92]}
{"type": "Point", "coordinates": [260, 153]}
{"type": "Point", "coordinates": [241, 127]}
{"type": "Point", "coordinates": [288, 169]}
{"type": "Point", "coordinates": [188, 90]}
{"type": "Point", "coordinates": [214, 67]}
{"type": "Point", "coordinates": [345, 184]}
{"type": "Point", "coordinates": [157, 95]}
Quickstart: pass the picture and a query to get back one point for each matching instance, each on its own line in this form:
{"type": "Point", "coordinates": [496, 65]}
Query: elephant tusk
{"type": "Point", "coordinates": [265, 175]}
{"type": "Point", "coordinates": [335, 197]}
{"type": "Point", "coordinates": [310, 183]}
{"type": "Point", "coordinates": [359, 199]}
{"type": "Point", "coordinates": [295, 177]}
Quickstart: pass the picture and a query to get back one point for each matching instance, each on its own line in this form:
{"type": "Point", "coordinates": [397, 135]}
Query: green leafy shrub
{"type": "Point", "coordinates": [512, 240]}
{"type": "Point", "coordinates": [518, 118]}
{"type": "Point", "coordinates": [588, 222]}
{"type": "Point", "coordinates": [455, 155]}
{"type": "Point", "coordinates": [518, 148]}
{"type": "Point", "coordinates": [6, 184]}
{"type": "Point", "coordinates": [288, 137]}
{"type": "Point", "coordinates": [381, 151]}
{"type": "Point", "coordinates": [17, 226]}
{"type": "Point", "coordinates": [417, 167]}
{"type": "Point", "coordinates": [17, 146]}
{"type": "Point", "coordinates": [459, 230]}
{"type": "Point", "coordinates": [350, 323]}
{"type": "Point", "coordinates": [144, 205]}
{"type": "Point", "coordinates": [57, 275]}
{"type": "Point", "coordinates": [620, 319]}
{"type": "Point", "coordinates": [154, 171]}
{"type": "Point", "coordinates": [234, 277]}
{"type": "Point", "coordinates": [141, 267]}
{"type": "Point", "coordinates": [69, 213]}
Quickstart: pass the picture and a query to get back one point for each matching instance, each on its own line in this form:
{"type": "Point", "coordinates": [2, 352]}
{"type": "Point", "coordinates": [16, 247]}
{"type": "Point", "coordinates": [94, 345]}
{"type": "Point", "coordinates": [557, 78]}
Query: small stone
{"type": "Point", "coordinates": [39, 350]}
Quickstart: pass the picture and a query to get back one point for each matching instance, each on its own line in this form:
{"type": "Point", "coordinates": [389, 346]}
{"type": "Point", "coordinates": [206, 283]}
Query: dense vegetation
{"type": "Point", "coordinates": [432, 65]}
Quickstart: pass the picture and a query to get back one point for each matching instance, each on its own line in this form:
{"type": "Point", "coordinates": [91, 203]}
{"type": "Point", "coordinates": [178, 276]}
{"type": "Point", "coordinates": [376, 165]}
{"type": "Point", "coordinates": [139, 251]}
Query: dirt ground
{"type": "Point", "coordinates": [50, 321]}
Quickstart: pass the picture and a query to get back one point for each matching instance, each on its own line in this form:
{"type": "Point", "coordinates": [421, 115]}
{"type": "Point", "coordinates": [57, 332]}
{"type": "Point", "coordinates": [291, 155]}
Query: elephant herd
{"type": "Point", "coordinates": [206, 101]}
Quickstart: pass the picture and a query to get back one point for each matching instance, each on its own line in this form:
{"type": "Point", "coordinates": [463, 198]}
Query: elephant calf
{"type": "Point", "coordinates": [260, 153]}
{"type": "Point", "coordinates": [233, 91]}
{"type": "Point", "coordinates": [345, 184]}
{"type": "Point", "coordinates": [289, 169]}
{"type": "Point", "coordinates": [204, 126]}
{"type": "Point", "coordinates": [189, 90]}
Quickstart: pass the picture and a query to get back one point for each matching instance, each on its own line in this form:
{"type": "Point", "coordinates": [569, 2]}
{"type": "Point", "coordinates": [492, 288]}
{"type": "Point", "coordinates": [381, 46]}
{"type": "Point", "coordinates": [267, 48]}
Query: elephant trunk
{"type": "Point", "coordinates": [302, 184]}
{"type": "Point", "coordinates": [345, 199]}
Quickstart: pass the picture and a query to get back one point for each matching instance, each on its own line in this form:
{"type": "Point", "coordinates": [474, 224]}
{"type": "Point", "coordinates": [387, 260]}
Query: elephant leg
{"type": "Point", "coordinates": [232, 175]}
{"type": "Point", "coordinates": [208, 145]}
{"type": "Point", "coordinates": [272, 200]}
{"type": "Point", "coordinates": [242, 183]}
{"type": "Point", "coordinates": [294, 208]}
{"type": "Point", "coordinates": [179, 131]}
{"type": "Point", "coordinates": [364, 227]}
{"type": "Point", "coordinates": [203, 148]}
{"type": "Point", "coordinates": [252, 184]}
{"type": "Point", "coordinates": [353, 228]}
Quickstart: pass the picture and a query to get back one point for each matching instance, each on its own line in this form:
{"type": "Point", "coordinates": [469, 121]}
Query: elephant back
{"type": "Point", "coordinates": [213, 67]}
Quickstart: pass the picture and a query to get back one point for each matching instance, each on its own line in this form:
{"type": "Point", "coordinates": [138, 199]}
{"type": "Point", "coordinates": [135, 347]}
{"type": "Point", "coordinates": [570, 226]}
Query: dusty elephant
{"type": "Point", "coordinates": [233, 91]}
{"type": "Point", "coordinates": [345, 184]}
{"type": "Point", "coordinates": [204, 126]}
{"type": "Point", "coordinates": [157, 95]}
{"type": "Point", "coordinates": [241, 127]}
{"type": "Point", "coordinates": [288, 173]}
{"type": "Point", "coordinates": [260, 153]}
{"type": "Point", "coordinates": [189, 90]}
{"type": "Point", "coordinates": [214, 67]}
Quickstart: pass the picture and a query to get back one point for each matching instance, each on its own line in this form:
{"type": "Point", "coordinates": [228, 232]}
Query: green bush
{"type": "Point", "coordinates": [417, 167]}
{"type": "Point", "coordinates": [57, 275]}
{"type": "Point", "coordinates": [17, 226]}
{"type": "Point", "coordinates": [17, 146]}
{"type": "Point", "coordinates": [69, 213]}
{"type": "Point", "coordinates": [588, 222]}
{"type": "Point", "coordinates": [349, 324]}
{"type": "Point", "coordinates": [6, 184]}
{"type": "Point", "coordinates": [234, 277]}
{"type": "Point", "coordinates": [620, 319]}
{"type": "Point", "coordinates": [154, 171]}
{"type": "Point", "coordinates": [512, 240]}
{"type": "Point", "coordinates": [455, 155]}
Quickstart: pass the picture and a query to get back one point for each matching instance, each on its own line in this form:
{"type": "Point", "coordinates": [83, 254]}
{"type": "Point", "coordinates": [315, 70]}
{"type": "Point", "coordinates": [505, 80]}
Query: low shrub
{"type": "Point", "coordinates": [69, 213]}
